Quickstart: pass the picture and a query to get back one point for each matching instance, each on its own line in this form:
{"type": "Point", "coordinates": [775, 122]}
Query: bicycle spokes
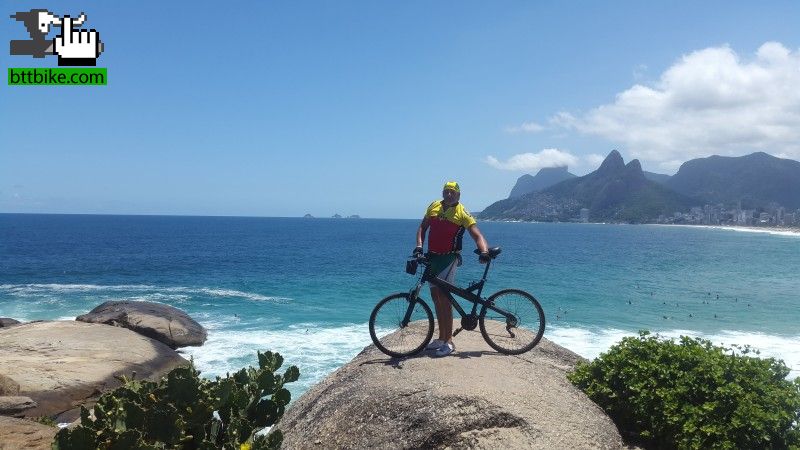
{"type": "Point", "coordinates": [400, 326]}
{"type": "Point", "coordinates": [513, 322]}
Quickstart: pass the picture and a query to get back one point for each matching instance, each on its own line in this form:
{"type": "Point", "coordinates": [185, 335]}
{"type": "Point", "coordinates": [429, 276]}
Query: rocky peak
{"type": "Point", "coordinates": [634, 166]}
{"type": "Point", "coordinates": [633, 170]}
{"type": "Point", "coordinates": [545, 178]}
{"type": "Point", "coordinates": [613, 163]}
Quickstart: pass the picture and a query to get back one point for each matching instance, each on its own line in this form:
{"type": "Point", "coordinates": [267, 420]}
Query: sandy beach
{"type": "Point", "coordinates": [795, 232]}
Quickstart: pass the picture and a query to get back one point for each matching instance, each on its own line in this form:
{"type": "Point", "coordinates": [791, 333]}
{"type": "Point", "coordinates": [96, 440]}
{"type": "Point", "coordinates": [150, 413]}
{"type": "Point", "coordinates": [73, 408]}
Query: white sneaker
{"type": "Point", "coordinates": [446, 349]}
{"type": "Point", "coordinates": [435, 344]}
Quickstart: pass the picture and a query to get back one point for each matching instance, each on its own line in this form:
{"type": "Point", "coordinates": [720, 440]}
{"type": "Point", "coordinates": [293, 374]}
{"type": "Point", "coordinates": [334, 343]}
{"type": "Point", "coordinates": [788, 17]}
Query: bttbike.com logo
{"type": "Point", "coordinates": [73, 46]}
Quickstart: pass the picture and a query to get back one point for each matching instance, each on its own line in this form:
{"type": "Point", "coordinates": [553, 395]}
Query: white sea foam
{"type": "Point", "coordinates": [590, 343]}
{"type": "Point", "coordinates": [169, 292]}
{"type": "Point", "coordinates": [316, 350]}
{"type": "Point", "coordinates": [775, 231]}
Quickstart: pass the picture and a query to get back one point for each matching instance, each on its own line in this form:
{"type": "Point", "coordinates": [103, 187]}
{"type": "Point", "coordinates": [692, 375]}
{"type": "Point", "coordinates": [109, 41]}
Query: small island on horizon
{"type": "Point", "coordinates": [335, 216]}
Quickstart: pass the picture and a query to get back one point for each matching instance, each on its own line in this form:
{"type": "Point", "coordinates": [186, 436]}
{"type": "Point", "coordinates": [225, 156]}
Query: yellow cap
{"type": "Point", "coordinates": [452, 185]}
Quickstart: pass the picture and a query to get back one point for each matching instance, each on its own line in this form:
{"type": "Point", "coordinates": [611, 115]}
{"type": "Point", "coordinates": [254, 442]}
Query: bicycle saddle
{"type": "Point", "coordinates": [493, 252]}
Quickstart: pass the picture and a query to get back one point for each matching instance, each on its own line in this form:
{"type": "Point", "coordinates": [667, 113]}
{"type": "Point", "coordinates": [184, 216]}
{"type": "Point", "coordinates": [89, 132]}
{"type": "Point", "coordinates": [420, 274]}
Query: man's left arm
{"type": "Point", "coordinates": [480, 241]}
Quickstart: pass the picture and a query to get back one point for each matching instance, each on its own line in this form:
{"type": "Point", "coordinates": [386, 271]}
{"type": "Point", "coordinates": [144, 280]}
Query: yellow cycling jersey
{"type": "Point", "coordinates": [447, 225]}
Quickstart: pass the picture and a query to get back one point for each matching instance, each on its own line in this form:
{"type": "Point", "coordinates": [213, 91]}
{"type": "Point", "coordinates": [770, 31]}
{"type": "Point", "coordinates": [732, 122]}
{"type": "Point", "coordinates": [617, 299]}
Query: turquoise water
{"type": "Point", "coordinates": [305, 287]}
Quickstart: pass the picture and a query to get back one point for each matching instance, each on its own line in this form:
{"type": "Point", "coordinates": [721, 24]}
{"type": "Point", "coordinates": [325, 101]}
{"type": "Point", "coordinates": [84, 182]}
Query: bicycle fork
{"type": "Point", "coordinates": [413, 294]}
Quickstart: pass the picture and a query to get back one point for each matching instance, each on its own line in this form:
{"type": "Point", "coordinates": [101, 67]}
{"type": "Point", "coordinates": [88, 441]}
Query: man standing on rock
{"type": "Point", "coordinates": [447, 219]}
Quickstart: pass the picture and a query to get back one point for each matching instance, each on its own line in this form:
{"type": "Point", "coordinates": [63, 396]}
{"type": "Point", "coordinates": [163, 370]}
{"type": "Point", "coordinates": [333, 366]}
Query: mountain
{"type": "Point", "coordinates": [615, 192]}
{"type": "Point", "coordinates": [657, 177]}
{"type": "Point", "coordinates": [544, 179]}
{"type": "Point", "coordinates": [755, 180]}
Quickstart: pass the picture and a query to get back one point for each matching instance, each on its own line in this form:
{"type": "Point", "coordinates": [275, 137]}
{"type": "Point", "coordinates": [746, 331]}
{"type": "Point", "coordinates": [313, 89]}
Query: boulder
{"type": "Point", "coordinates": [475, 398]}
{"type": "Point", "coordinates": [61, 365]}
{"type": "Point", "coordinates": [8, 386]}
{"type": "Point", "coordinates": [6, 322]}
{"type": "Point", "coordinates": [22, 434]}
{"type": "Point", "coordinates": [162, 322]}
{"type": "Point", "coordinates": [12, 406]}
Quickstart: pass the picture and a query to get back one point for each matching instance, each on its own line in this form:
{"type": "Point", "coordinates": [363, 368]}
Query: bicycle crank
{"type": "Point", "coordinates": [469, 322]}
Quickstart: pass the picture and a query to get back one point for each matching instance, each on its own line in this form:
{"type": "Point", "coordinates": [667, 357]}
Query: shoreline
{"type": "Point", "coordinates": [793, 232]}
{"type": "Point", "coordinates": [782, 231]}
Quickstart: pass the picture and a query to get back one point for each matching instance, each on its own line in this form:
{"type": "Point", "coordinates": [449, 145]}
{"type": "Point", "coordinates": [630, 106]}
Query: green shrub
{"type": "Point", "coordinates": [45, 420]}
{"type": "Point", "coordinates": [693, 395]}
{"type": "Point", "coordinates": [186, 411]}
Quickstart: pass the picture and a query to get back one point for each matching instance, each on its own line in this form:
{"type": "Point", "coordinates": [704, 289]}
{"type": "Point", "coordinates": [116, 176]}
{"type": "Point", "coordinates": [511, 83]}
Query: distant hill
{"type": "Point", "coordinates": [755, 180]}
{"type": "Point", "coordinates": [544, 179]}
{"type": "Point", "coordinates": [657, 177]}
{"type": "Point", "coordinates": [615, 192]}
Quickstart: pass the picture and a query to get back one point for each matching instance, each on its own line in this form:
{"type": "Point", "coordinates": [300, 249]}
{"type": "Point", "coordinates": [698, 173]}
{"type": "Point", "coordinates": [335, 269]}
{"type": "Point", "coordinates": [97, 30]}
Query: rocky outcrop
{"type": "Point", "coordinates": [21, 434]}
{"type": "Point", "coordinates": [7, 322]}
{"type": "Point", "coordinates": [61, 365]}
{"type": "Point", "coordinates": [162, 322]}
{"type": "Point", "coordinates": [15, 405]}
{"type": "Point", "coordinates": [475, 398]}
{"type": "Point", "coordinates": [8, 386]}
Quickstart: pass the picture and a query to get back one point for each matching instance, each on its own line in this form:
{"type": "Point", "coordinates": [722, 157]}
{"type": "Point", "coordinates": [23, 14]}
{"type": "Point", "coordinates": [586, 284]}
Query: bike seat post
{"type": "Point", "coordinates": [486, 270]}
{"type": "Point", "coordinates": [483, 280]}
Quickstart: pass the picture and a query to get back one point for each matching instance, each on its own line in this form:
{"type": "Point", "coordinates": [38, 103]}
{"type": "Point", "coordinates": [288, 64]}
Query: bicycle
{"type": "Point", "coordinates": [511, 320]}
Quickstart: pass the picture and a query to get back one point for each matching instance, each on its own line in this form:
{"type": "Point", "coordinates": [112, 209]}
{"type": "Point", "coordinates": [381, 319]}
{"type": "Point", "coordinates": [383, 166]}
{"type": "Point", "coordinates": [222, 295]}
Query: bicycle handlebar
{"type": "Point", "coordinates": [420, 258]}
{"type": "Point", "coordinates": [492, 253]}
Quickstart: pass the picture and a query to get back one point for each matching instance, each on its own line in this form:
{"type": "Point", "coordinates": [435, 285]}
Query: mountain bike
{"type": "Point", "coordinates": [511, 320]}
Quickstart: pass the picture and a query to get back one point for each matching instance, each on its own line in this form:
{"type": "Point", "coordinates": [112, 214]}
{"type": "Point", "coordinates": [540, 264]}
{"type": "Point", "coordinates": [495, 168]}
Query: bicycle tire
{"type": "Point", "coordinates": [398, 341]}
{"type": "Point", "coordinates": [528, 330]}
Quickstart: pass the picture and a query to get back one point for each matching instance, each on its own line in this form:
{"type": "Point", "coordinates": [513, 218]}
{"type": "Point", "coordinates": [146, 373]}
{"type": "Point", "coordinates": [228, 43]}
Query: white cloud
{"type": "Point", "coordinates": [711, 101]}
{"type": "Point", "coordinates": [593, 160]}
{"type": "Point", "coordinates": [526, 127]}
{"type": "Point", "coordinates": [549, 157]}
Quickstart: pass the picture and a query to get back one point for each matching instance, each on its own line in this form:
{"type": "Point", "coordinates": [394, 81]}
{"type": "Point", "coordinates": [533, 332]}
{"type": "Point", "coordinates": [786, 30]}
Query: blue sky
{"type": "Point", "coordinates": [287, 108]}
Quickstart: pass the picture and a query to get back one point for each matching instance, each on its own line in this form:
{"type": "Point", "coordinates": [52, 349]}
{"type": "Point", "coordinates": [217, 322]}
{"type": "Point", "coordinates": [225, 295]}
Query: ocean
{"type": "Point", "coordinates": [305, 287]}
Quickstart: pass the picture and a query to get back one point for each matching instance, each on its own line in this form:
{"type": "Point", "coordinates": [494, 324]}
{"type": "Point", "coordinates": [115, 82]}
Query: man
{"type": "Point", "coordinates": [447, 219]}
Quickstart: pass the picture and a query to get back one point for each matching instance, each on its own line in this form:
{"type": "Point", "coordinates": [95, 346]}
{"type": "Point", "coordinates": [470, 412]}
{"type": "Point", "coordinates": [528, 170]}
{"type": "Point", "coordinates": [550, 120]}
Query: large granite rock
{"type": "Point", "coordinates": [15, 405]}
{"type": "Point", "coordinates": [21, 434]}
{"type": "Point", "coordinates": [475, 398]}
{"type": "Point", "coordinates": [155, 320]}
{"type": "Point", "coordinates": [8, 386]}
{"type": "Point", "coordinates": [61, 365]}
{"type": "Point", "coordinates": [7, 322]}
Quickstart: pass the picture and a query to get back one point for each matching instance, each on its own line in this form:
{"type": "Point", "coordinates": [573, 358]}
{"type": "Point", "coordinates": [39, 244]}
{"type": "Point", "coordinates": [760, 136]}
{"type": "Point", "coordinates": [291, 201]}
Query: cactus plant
{"type": "Point", "coordinates": [183, 410]}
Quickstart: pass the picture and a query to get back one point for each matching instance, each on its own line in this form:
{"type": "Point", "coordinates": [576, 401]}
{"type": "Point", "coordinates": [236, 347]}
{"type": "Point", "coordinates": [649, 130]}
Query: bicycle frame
{"type": "Point", "coordinates": [450, 289]}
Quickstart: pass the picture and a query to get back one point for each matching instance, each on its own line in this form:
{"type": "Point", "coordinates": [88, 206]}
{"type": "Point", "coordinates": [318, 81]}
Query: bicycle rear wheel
{"type": "Point", "coordinates": [388, 332]}
{"type": "Point", "coordinates": [514, 323]}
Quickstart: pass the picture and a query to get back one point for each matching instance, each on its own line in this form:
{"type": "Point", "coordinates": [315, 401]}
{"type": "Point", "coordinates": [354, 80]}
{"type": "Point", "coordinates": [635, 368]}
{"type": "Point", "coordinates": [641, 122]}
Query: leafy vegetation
{"type": "Point", "coordinates": [45, 420]}
{"type": "Point", "coordinates": [186, 411]}
{"type": "Point", "coordinates": [691, 394]}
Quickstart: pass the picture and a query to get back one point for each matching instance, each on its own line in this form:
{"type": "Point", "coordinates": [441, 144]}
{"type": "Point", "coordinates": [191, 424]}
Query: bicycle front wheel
{"type": "Point", "coordinates": [399, 327]}
{"type": "Point", "coordinates": [514, 323]}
